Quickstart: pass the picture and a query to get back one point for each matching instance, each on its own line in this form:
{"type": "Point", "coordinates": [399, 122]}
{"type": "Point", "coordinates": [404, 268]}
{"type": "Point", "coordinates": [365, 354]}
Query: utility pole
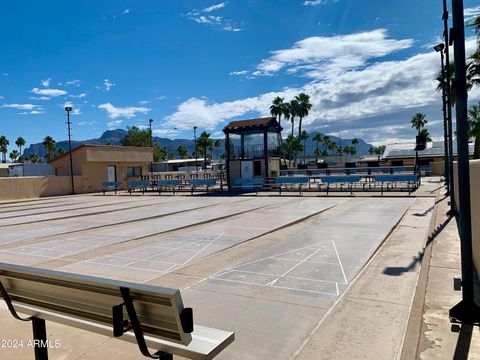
{"type": "Point", "coordinates": [68, 109]}
{"type": "Point", "coordinates": [451, 190]}
{"type": "Point", "coordinates": [466, 311]}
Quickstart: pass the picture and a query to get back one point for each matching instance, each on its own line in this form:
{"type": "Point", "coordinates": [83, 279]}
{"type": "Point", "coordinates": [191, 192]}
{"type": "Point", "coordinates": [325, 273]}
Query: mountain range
{"type": "Point", "coordinates": [114, 137]}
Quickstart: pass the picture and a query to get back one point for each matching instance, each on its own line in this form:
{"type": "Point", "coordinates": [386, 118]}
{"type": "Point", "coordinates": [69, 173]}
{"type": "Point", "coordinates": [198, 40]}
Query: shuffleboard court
{"type": "Point", "coordinates": [254, 259]}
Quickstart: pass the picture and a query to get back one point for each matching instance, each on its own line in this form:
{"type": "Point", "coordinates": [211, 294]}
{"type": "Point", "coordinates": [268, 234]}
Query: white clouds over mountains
{"type": "Point", "coordinates": [126, 112]}
{"type": "Point", "coordinates": [354, 92]}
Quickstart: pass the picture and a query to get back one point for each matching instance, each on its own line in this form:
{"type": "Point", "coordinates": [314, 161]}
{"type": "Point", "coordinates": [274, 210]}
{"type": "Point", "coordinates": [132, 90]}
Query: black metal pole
{"type": "Point", "coordinates": [151, 143]}
{"type": "Point", "coordinates": [196, 155]}
{"type": "Point", "coordinates": [466, 311]}
{"type": "Point", "coordinates": [40, 344]}
{"type": "Point", "coordinates": [452, 211]}
{"type": "Point", "coordinates": [68, 109]}
{"type": "Point", "coordinates": [445, 131]}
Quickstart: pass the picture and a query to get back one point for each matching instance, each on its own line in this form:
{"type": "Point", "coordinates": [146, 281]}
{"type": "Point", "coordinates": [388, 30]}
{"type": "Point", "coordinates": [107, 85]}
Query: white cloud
{"type": "Point", "coordinates": [239, 73]}
{"type": "Point", "coordinates": [126, 11]}
{"type": "Point", "coordinates": [218, 22]}
{"type": "Point", "coordinates": [375, 101]}
{"type": "Point", "coordinates": [48, 93]}
{"type": "Point", "coordinates": [75, 83]}
{"type": "Point", "coordinates": [83, 123]}
{"type": "Point", "coordinates": [323, 57]}
{"type": "Point", "coordinates": [469, 13]}
{"type": "Point", "coordinates": [33, 112]}
{"type": "Point", "coordinates": [107, 84]}
{"type": "Point", "coordinates": [143, 102]}
{"type": "Point", "coordinates": [1, 97]}
{"type": "Point", "coordinates": [114, 124]}
{"type": "Point", "coordinates": [22, 106]}
{"type": "Point", "coordinates": [314, 2]}
{"type": "Point", "coordinates": [46, 83]}
{"type": "Point", "coordinates": [127, 112]}
{"type": "Point", "coordinates": [79, 96]}
{"type": "Point", "coordinates": [5, 74]}
{"type": "Point", "coordinates": [214, 7]}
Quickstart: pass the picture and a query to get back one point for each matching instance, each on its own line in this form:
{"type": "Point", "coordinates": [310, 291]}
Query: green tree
{"type": "Point", "coordinates": [203, 144]}
{"type": "Point", "coordinates": [277, 108]}
{"type": "Point", "coordinates": [304, 107]}
{"type": "Point", "coordinates": [159, 153]}
{"type": "Point", "coordinates": [474, 128]}
{"type": "Point", "coordinates": [34, 158]}
{"type": "Point", "coordinates": [20, 142]}
{"type": "Point", "coordinates": [293, 109]}
{"type": "Point", "coordinates": [292, 146]}
{"type": "Point", "coordinates": [354, 145]}
{"type": "Point", "coordinates": [418, 122]}
{"type": "Point", "coordinates": [217, 144]}
{"type": "Point", "coordinates": [424, 132]}
{"type": "Point", "coordinates": [318, 138]}
{"type": "Point", "coordinates": [303, 137]}
{"type": "Point", "coordinates": [14, 155]}
{"type": "Point", "coordinates": [60, 151]}
{"type": "Point", "coordinates": [50, 146]}
{"type": "Point", "coordinates": [182, 151]}
{"type": "Point", "coordinates": [4, 148]}
{"type": "Point", "coordinates": [136, 137]}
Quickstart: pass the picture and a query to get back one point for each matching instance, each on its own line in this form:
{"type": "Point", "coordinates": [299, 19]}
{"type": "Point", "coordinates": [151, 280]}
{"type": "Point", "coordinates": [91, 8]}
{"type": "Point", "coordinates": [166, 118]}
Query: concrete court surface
{"type": "Point", "coordinates": [267, 268]}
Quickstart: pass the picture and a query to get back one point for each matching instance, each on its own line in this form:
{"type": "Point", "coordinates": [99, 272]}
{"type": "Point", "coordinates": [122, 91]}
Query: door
{"type": "Point", "coordinates": [246, 170]}
{"type": "Point", "coordinates": [111, 173]}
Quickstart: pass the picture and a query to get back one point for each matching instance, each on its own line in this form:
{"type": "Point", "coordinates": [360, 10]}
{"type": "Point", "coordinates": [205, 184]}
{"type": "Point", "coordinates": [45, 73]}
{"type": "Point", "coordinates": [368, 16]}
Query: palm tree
{"type": "Point", "coordinates": [182, 151]}
{"type": "Point", "coordinates": [277, 108]}
{"type": "Point", "coordinates": [474, 128]}
{"type": "Point", "coordinates": [354, 145]}
{"type": "Point", "coordinates": [50, 146]}
{"type": "Point", "coordinates": [14, 154]}
{"type": "Point", "coordinates": [4, 148]}
{"type": "Point", "coordinates": [304, 107]}
{"type": "Point", "coordinates": [20, 142]}
{"type": "Point", "coordinates": [217, 144]}
{"type": "Point", "coordinates": [418, 122]}
{"type": "Point", "coordinates": [293, 110]}
{"type": "Point", "coordinates": [60, 151]}
{"type": "Point", "coordinates": [203, 143]}
{"type": "Point", "coordinates": [34, 158]}
{"type": "Point", "coordinates": [424, 132]}
{"type": "Point", "coordinates": [318, 137]}
{"type": "Point", "coordinates": [304, 136]}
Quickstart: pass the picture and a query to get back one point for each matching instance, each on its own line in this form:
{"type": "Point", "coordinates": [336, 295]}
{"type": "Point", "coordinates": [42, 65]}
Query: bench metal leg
{"type": "Point", "coordinates": [40, 339]}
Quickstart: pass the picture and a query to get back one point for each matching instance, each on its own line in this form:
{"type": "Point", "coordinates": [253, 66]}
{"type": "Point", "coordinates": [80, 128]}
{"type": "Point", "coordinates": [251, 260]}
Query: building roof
{"type": "Point", "coordinates": [102, 147]}
{"type": "Point", "coordinates": [407, 150]}
{"type": "Point", "coordinates": [252, 123]}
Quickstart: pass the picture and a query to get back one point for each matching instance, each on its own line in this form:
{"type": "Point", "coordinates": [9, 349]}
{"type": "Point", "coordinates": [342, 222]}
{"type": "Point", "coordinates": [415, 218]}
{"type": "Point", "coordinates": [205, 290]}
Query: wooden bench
{"type": "Point", "coordinates": [108, 185]}
{"type": "Point", "coordinates": [248, 183]}
{"type": "Point", "coordinates": [207, 183]}
{"type": "Point", "coordinates": [138, 184]}
{"type": "Point", "coordinates": [168, 184]}
{"type": "Point", "coordinates": [150, 316]}
{"type": "Point", "coordinates": [350, 180]}
{"type": "Point", "coordinates": [291, 180]}
{"type": "Point", "coordinates": [412, 181]}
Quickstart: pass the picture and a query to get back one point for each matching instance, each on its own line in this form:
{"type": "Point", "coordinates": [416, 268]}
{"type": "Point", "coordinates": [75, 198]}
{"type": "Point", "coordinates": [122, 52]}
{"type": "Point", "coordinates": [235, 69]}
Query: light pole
{"type": "Point", "coordinates": [452, 211]}
{"type": "Point", "coordinates": [195, 144]}
{"type": "Point", "coordinates": [439, 48]}
{"type": "Point", "coordinates": [150, 121]}
{"type": "Point", "coordinates": [68, 109]}
{"type": "Point", "coordinates": [466, 311]}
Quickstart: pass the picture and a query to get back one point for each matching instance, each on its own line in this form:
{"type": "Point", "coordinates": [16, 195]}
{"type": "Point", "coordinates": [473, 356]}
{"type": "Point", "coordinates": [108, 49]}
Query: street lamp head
{"type": "Point", "coordinates": [439, 47]}
{"type": "Point", "coordinates": [194, 128]}
{"type": "Point", "coordinates": [68, 108]}
{"type": "Point", "coordinates": [150, 120]}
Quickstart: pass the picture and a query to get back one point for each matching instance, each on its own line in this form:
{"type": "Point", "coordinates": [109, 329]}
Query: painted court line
{"type": "Point", "coordinates": [340, 262]}
{"type": "Point", "coordinates": [202, 249]}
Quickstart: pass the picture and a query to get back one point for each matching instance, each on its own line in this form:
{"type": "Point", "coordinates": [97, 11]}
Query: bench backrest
{"type": "Point", "coordinates": [111, 183]}
{"type": "Point", "coordinates": [248, 181]}
{"type": "Point", "coordinates": [340, 179]}
{"type": "Point", "coordinates": [202, 182]}
{"type": "Point", "coordinates": [396, 178]}
{"type": "Point", "coordinates": [138, 183]}
{"type": "Point", "coordinates": [168, 183]}
{"type": "Point", "coordinates": [66, 298]}
{"type": "Point", "coordinates": [291, 180]}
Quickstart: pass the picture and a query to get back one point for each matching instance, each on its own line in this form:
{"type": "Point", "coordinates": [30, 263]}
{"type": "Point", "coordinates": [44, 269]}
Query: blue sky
{"type": "Point", "coordinates": [368, 65]}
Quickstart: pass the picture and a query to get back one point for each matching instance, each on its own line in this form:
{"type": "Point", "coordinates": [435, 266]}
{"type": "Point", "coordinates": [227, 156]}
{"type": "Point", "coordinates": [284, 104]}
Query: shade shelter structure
{"type": "Point", "coordinates": [252, 149]}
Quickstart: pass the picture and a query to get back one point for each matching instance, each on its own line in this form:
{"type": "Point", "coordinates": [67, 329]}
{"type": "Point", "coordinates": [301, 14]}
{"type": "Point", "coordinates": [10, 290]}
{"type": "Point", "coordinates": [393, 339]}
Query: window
{"type": "Point", "coordinates": [134, 171]}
